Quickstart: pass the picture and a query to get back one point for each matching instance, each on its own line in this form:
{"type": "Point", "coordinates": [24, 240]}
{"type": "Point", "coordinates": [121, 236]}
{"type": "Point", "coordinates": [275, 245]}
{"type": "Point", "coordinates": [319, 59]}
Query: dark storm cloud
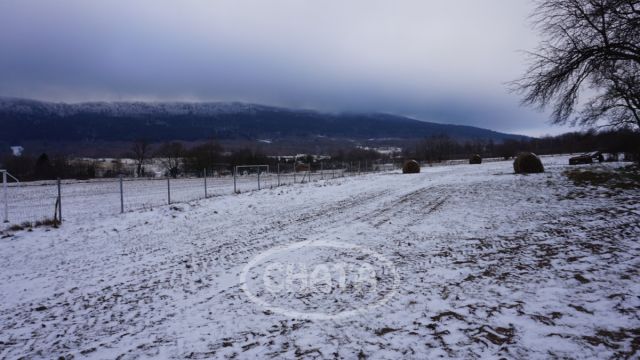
{"type": "Point", "coordinates": [434, 60]}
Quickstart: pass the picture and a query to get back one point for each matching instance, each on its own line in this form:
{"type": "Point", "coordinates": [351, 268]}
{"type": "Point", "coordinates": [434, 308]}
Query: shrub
{"type": "Point", "coordinates": [411, 167]}
{"type": "Point", "coordinates": [527, 163]}
{"type": "Point", "coordinates": [475, 159]}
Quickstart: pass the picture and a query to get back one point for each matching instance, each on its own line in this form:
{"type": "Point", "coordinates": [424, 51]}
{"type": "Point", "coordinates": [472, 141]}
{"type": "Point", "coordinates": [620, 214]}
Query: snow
{"type": "Point", "coordinates": [490, 265]}
{"type": "Point", "coordinates": [96, 198]}
{"type": "Point", "coordinates": [134, 108]}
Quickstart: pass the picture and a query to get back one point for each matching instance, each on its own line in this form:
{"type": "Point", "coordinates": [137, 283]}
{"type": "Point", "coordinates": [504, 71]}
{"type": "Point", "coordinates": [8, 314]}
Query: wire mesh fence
{"type": "Point", "coordinates": [30, 202]}
{"type": "Point", "coordinates": [36, 201]}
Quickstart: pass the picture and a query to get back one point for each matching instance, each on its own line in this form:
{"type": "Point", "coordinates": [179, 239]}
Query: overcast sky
{"type": "Point", "coordinates": [443, 61]}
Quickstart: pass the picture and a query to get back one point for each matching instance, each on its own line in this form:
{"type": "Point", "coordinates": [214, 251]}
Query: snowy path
{"type": "Point", "coordinates": [491, 264]}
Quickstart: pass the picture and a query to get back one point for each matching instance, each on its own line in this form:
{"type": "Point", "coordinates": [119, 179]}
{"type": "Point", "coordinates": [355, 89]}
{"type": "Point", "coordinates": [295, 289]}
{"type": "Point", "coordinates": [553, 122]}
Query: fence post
{"type": "Point", "coordinates": [294, 172]}
{"type": "Point", "coordinates": [205, 183]}
{"type": "Point", "coordinates": [6, 197]}
{"type": "Point", "coordinates": [121, 197]}
{"type": "Point", "coordinates": [321, 171]}
{"type": "Point", "coordinates": [278, 169]}
{"type": "Point", "coordinates": [59, 202]}
{"type": "Point", "coordinates": [235, 170]}
{"type": "Point", "coordinates": [258, 178]}
{"type": "Point", "coordinates": [169, 190]}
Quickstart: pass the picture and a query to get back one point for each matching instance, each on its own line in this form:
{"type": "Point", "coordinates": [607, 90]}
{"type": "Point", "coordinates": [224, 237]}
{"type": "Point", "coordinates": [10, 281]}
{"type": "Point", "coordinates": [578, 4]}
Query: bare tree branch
{"type": "Point", "coordinates": [589, 44]}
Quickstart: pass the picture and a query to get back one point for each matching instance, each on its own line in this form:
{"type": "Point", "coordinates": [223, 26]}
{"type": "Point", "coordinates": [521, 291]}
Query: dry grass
{"type": "Point", "coordinates": [622, 178]}
{"type": "Point", "coordinates": [27, 225]}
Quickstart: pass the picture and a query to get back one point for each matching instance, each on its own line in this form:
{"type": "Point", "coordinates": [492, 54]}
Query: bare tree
{"type": "Point", "coordinates": [171, 156]}
{"type": "Point", "coordinates": [203, 156]}
{"type": "Point", "coordinates": [592, 48]}
{"type": "Point", "coordinates": [140, 149]}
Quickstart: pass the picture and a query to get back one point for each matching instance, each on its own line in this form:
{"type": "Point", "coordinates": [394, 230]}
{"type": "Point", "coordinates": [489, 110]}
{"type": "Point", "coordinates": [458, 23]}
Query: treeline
{"type": "Point", "coordinates": [178, 160]}
{"type": "Point", "coordinates": [440, 148]}
{"type": "Point", "coordinates": [28, 167]}
{"type": "Point", "coordinates": [174, 159]}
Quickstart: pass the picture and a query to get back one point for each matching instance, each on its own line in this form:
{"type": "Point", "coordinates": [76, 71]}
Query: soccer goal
{"type": "Point", "coordinates": [245, 172]}
{"type": "Point", "coordinates": [5, 192]}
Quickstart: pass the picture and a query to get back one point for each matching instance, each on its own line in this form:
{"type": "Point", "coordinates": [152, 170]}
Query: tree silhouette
{"type": "Point", "coordinates": [592, 48]}
{"type": "Point", "coordinates": [140, 150]}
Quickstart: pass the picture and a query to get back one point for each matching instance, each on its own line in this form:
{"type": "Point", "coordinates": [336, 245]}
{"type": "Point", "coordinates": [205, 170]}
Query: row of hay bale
{"type": "Point", "coordinates": [524, 163]}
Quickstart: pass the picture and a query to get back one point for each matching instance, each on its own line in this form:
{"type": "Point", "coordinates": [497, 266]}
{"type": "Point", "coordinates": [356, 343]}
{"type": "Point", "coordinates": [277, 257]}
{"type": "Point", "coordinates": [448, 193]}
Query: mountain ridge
{"type": "Point", "coordinates": [34, 120]}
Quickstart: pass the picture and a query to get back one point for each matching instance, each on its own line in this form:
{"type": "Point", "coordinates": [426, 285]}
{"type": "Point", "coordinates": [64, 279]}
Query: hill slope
{"type": "Point", "coordinates": [29, 120]}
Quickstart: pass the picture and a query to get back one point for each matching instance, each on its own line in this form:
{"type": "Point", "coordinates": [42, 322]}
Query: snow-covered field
{"type": "Point", "coordinates": [96, 198]}
{"type": "Point", "coordinates": [489, 264]}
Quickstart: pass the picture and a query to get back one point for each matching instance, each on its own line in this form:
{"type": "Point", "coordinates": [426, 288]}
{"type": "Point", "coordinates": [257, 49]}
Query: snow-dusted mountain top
{"type": "Point", "coordinates": [25, 106]}
{"type": "Point", "coordinates": [32, 120]}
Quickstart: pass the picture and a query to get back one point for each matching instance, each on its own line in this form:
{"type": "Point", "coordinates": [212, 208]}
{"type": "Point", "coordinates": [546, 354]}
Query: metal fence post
{"type": "Point", "coordinates": [205, 183]}
{"type": "Point", "coordinates": [121, 197]}
{"type": "Point", "coordinates": [59, 202]}
{"type": "Point", "coordinates": [169, 190]}
{"type": "Point", "coordinates": [321, 171]}
{"type": "Point", "coordinates": [235, 171]}
{"type": "Point", "coordinates": [278, 170]}
{"type": "Point", "coordinates": [6, 197]}
{"type": "Point", "coordinates": [258, 178]}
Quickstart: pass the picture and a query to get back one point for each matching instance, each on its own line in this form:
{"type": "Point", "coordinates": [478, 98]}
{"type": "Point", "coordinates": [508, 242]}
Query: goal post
{"type": "Point", "coordinates": [244, 170]}
{"type": "Point", "coordinates": [5, 190]}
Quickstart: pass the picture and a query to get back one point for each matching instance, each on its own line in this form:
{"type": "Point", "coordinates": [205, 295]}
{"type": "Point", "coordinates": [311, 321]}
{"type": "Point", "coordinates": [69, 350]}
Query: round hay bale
{"type": "Point", "coordinates": [411, 167]}
{"type": "Point", "coordinates": [527, 163]}
{"type": "Point", "coordinates": [475, 159]}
